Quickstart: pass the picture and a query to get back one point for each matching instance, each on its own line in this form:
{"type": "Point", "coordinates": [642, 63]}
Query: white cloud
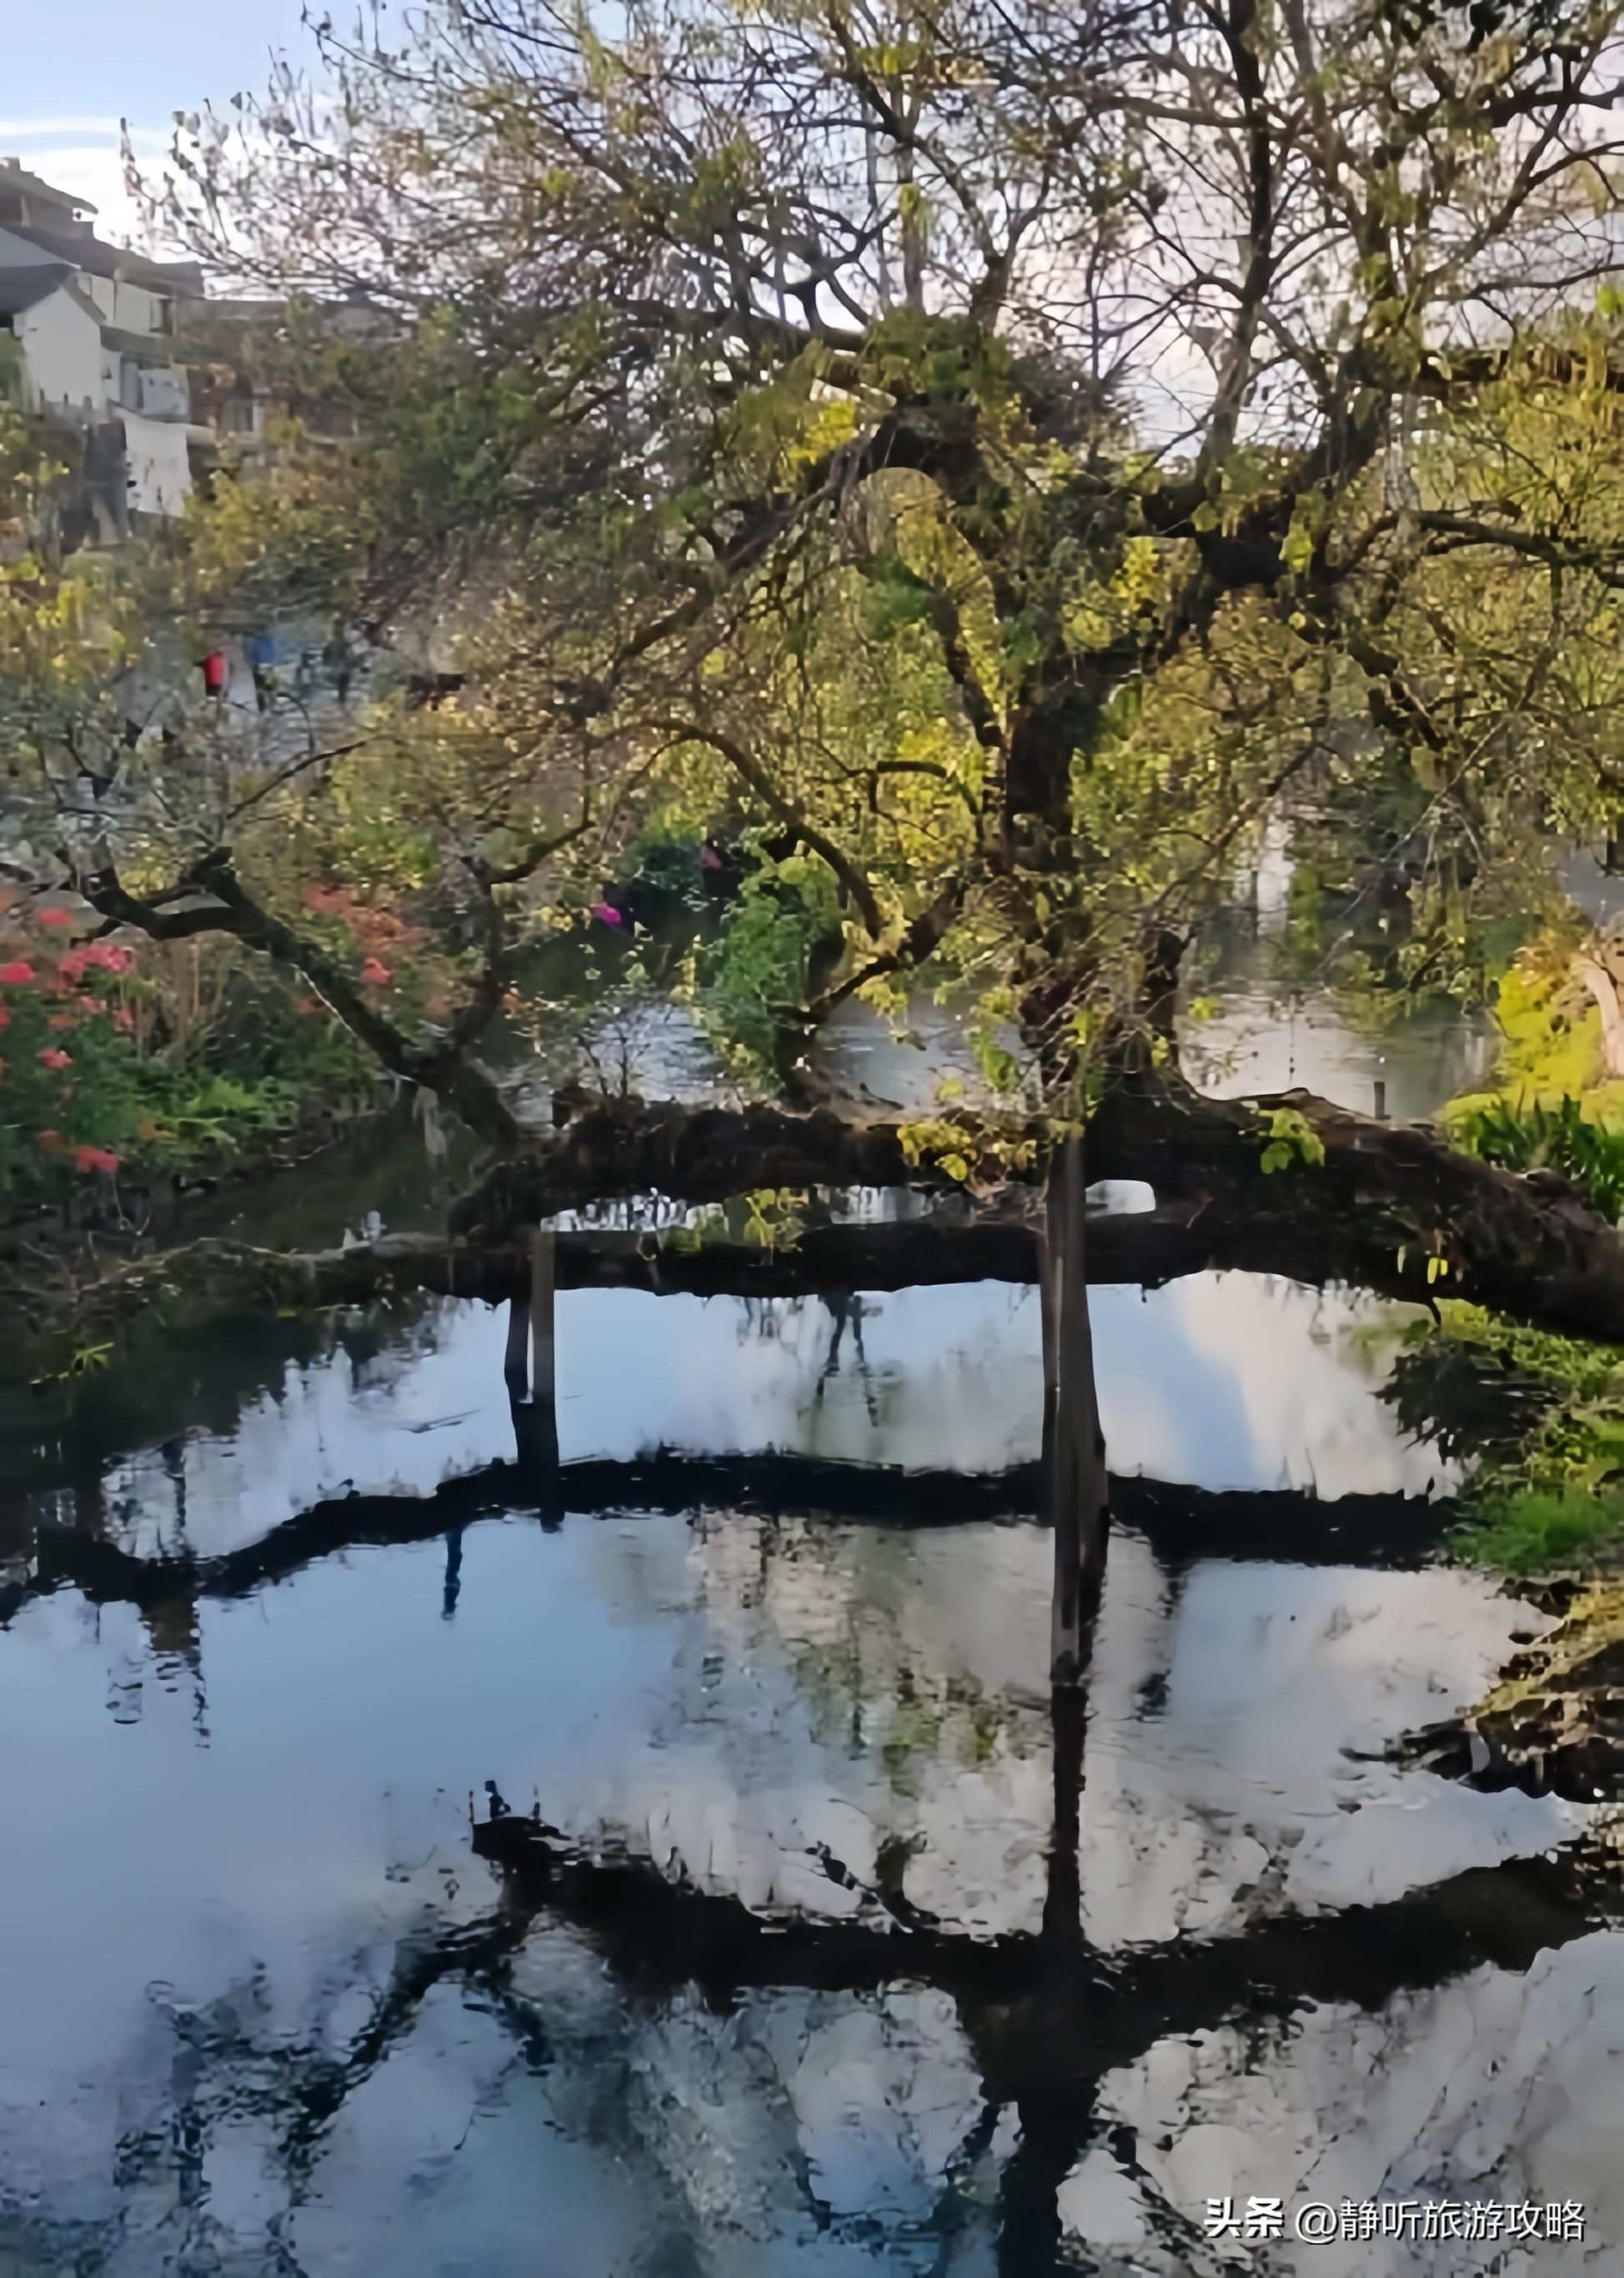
{"type": "Point", "coordinates": [27, 129]}
{"type": "Point", "coordinates": [83, 155]}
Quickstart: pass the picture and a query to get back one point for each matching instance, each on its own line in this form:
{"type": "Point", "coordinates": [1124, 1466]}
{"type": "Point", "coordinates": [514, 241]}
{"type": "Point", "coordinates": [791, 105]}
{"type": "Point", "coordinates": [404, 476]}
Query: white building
{"type": "Point", "coordinates": [95, 328]}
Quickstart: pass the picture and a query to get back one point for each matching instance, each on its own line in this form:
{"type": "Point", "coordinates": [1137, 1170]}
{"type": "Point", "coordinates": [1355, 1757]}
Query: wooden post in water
{"type": "Point", "coordinates": [516, 1359]}
{"type": "Point", "coordinates": [535, 1421]}
{"type": "Point", "coordinates": [530, 1367]}
{"type": "Point", "coordinates": [543, 1350]}
{"type": "Point", "coordinates": [1048, 1303]}
{"type": "Point", "coordinates": [1077, 1485]}
{"type": "Point", "coordinates": [1063, 1894]}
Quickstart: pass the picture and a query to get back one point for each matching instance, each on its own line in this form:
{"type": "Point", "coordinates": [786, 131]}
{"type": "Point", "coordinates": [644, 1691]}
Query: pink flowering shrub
{"type": "Point", "coordinates": [70, 1074]}
{"type": "Point", "coordinates": [107, 1072]}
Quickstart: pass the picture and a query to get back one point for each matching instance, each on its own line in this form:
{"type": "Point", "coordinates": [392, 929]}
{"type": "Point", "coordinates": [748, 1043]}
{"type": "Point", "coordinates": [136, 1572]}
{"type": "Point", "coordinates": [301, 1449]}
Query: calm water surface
{"type": "Point", "coordinates": [1261, 1034]}
{"type": "Point", "coordinates": [262, 2010]}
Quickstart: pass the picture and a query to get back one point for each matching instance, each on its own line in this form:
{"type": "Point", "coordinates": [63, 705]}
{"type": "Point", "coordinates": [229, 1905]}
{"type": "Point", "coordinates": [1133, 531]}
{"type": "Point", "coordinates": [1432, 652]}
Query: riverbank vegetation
{"type": "Point", "coordinates": [1539, 1423]}
{"type": "Point", "coordinates": [126, 1069]}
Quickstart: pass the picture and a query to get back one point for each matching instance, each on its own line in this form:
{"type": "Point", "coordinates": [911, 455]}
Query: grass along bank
{"type": "Point", "coordinates": [1541, 1419]}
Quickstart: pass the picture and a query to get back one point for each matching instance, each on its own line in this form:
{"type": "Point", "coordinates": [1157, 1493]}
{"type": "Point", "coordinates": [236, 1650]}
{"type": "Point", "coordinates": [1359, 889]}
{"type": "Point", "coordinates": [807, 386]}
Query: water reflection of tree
{"type": "Point", "coordinates": [691, 2107]}
{"type": "Point", "coordinates": [684, 2083]}
{"type": "Point", "coordinates": [848, 1312]}
{"type": "Point", "coordinates": [770, 1320]}
{"type": "Point", "coordinates": [1043, 2017]}
{"type": "Point", "coordinates": [188, 1385]}
{"type": "Point", "coordinates": [1045, 2023]}
{"type": "Point", "coordinates": [835, 1601]}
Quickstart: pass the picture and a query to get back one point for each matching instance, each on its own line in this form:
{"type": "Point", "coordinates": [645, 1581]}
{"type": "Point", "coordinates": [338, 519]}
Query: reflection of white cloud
{"type": "Point", "coordinates": [1494, 2088]}
{"type": "Point", "coordinates": [431, 1406]}
{"type": "Point", "coordinates": [1220, 1380]}
{"type": "Point", "coordinates": [1264, 1387]}
{"type": "Point", "coordinates": [1240, 1785]}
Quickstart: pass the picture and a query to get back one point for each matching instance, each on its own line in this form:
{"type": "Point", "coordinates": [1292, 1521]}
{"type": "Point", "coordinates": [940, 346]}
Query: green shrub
{"type": "Point", "coordinates": [1537, 1530]}
{"type": "Point", "coordinates": [1530, 1135]}
{"type": "Point", "coordinates": [760, 959]}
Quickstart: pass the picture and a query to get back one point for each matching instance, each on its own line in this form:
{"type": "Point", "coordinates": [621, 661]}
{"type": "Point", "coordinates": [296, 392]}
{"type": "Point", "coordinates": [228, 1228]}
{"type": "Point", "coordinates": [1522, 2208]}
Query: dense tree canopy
{"type": "Point", "coordinates": [994, 459]}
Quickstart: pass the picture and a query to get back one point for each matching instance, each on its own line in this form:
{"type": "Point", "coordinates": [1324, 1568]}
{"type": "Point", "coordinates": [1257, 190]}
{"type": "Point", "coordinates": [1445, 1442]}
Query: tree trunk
{"type": "Point", "coordinates": [1143, 1250]}
{"type": "Point", "coordinates": [476, 1096]}
{"type": "Point", "coordinates": [1391, 1207]}
{"type": "Point", "coordinates": [694, 1155]}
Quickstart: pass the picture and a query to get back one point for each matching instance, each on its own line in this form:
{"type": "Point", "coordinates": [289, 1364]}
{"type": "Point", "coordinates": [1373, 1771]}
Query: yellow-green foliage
{"type": "Point", "coordinates": [1550, 1045]}
{"type": "Point", "coordinates": [1291, 1140]}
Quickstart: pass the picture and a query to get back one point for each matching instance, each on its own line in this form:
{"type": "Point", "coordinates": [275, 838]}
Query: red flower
{"type": "Point", "coordinates": [111, 956]}
{"type": "Point", "coordinates": [123, 1019]}
{"type": "Point", "coordinates": [60, 1021]}
{"type": "Point", "coordinates": [56, 917]}
{"type": "Point", "coordinates": [54, 1058]}
{"type": "Point", "coordinates": [95, 1158]}
{"type": "Point", "coordinates": [374, 973]}
{"type": "Point", "coordinates": [16, 974]}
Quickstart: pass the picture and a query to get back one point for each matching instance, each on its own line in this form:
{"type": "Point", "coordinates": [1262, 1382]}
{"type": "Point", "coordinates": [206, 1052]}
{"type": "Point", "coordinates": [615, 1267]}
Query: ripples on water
{"type": "Point", "coordinates": [261, 2010]}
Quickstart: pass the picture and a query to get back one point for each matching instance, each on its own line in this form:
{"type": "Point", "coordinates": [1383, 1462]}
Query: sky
{"type": "Point", "coordinates": [68, 76]}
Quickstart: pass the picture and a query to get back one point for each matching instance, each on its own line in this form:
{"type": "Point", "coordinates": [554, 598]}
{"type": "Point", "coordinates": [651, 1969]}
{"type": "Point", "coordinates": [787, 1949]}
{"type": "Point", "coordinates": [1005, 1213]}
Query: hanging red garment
{"type": "Point", "coordinates": [214, 672]}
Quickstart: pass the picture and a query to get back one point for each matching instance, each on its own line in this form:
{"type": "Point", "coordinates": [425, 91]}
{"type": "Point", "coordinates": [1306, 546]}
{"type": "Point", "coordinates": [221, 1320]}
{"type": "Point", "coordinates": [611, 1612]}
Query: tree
{"type": "Point", "coordinates": [383, 860]}
{"type": "Point", "coordinates": [1013, 451]}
